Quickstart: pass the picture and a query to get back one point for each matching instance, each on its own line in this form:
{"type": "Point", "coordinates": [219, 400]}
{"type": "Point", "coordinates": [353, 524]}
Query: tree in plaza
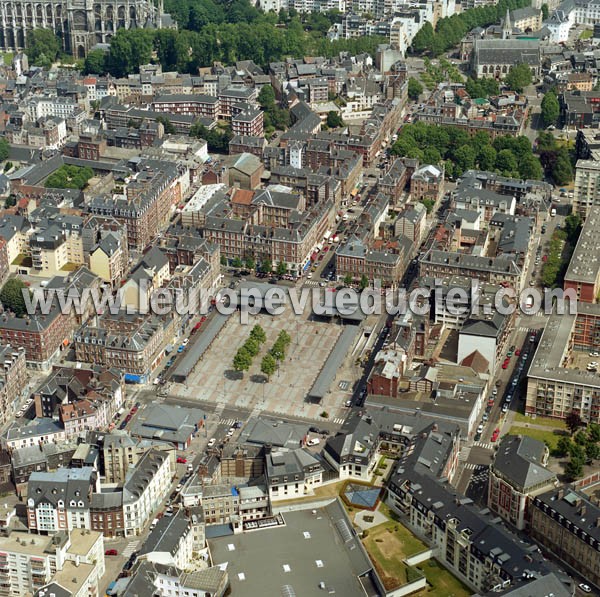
{"type": "Point", "coordinates": [268, 365]}
{"type": "Point", "coordinates": [415, 89]}
{"type": "Point", "coordinates": [237, 263]}
{"type": "Point", "coordinates": [250, 263]}
{"type": "Point", "coordinates": [252, 346]}
{"type": "Point", "coordinates": [284, 338]}
{"type": "Point", "coordinates": [11, 296]}
{"type": "Point", "coordinates": [573, 422]}
{"type": "Point", "coordinates": [348, 279]}
{"type": "Point", "coordinates": [278, 350]}
{"type": "Point", "coordinates": [242, 360]}
{"type": "Point", "coordinates": [550, 108]}
{"type": "Point", "coordinates": [364, 282]}
{"type": "Point", "coordinates": [258, 334]}
{"type": "Point", "coordinates": [518, 77]}
{"type": "Point", "coordinates": [592, 450]}
{"type": "Point", "coordinates": [281, 268]}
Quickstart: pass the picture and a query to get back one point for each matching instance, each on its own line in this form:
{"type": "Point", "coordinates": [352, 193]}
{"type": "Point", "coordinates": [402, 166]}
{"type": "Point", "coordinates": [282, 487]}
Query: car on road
{"type": "Point", "coordinates": [181, 460]}
{"type": "Point", "coordinates": [495, 392]}
{"type": "Point", "coordinates": [111, 552]}
{"type": "Point", "coordinates": [495, 434]}
{"type": "Point", "coordinates": [170, 362]}
{"type": "Point", "coordinates": [480, 428]}
{"type": "Point", "coordinates": [532, 338]}
{"type": "Point", "coordinates": [185, 342]}
{"type": "Point", "coordinates": [477, 437]}
{"type": "Point", "coordinates": [485, 417]}
{"type": "Point", "coordinates": [211, 442]}
{"type": "Point", "coordinates": [230, 431]}
{"type": "Point", "coordinates": [315, 441]}
{"type": "Point", "coordinates": [313, 429]}
{"type": "Point", "coordinates": [348, 403]}
{"type": "Point", "coordinates": [585, 588]}
{"type": "Point", "coordinates": [491, 402]}
{"type": "Point", "coordinates": [505, 407]}
{"type": "Point", "coordinates": [595, 354]}
{"type": "Point", "coordinates": [505, 365]}
{"type": "Point", "coordinates": [515, 381]}
{"type": "Point", "coordinates": [518, 352]}
{"type": "Point", "coordinates": [178, 488]}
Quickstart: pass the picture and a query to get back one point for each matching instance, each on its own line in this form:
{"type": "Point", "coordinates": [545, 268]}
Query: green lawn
{"type": "Point", "coordinates": [545, 421]}
{"type": "Point", "coordinates": [548, 437]}
{"type": "Point", "coordinates": [443, 584]}
{"type": "Point", "coordinates": [587, 34]}
{"type": "Point", "coordinates": [8, 57]}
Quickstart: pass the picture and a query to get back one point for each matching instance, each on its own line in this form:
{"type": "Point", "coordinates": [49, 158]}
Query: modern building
{"type": "Point", "coordinates": [517, 474]}
{"type": "Point", "coordinates": [13, 379]}
{"type": "Point", "coordinates": [586, 192]}
{"type": "Point", "coordinates": [583, 273]}
{"type": "Point", "coordinates": [293, 473]}
{"type": "Point", "coordinates": [60, 500]}
{"type": "Point", "coordinates": [557, 383]}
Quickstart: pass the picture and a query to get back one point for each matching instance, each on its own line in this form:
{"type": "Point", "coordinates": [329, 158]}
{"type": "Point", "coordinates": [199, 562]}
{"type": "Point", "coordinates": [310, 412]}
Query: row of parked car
{"type": "Point", "coordinates": [25, 407]}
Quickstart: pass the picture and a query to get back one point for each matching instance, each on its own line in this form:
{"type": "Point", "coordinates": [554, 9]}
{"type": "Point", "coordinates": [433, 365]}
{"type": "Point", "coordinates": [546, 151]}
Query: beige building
{"type": "Point", "coordinates": [109, 259]}
{"type": "Point", "coordinates": [120, 452]}
{"type": "Point", "coordinates": [587, 186]}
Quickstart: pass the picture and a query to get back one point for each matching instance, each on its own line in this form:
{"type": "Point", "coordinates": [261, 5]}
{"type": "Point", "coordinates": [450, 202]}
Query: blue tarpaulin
{"type": "Point", "coordinates": [130, 378]}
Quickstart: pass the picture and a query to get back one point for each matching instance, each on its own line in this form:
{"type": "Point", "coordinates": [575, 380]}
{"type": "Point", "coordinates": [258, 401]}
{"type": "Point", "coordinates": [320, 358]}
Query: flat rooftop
{"type": "Point", "coordinates": [585, 262]}
{"type": "Point", "coordinates": [311, 548]}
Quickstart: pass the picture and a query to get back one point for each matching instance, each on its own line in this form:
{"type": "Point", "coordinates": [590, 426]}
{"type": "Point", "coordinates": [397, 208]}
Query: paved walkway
{"type": "Point", "coordinates": [361, 523]}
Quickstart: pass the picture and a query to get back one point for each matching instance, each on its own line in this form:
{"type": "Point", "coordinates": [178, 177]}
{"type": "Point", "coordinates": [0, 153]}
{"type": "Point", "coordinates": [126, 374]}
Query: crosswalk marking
{"type": "Point", "coordinates": [339, 420]}
{"type": "Point", "coordinates": [131, 547]}
{"type": "Point", "coordinates": [228, 422]}
{"type": "Point", "coordinates": [484, 445]}
{"type": "Point", "coordinates": [311, 283]}
{"type": "Point", "coordinates": [471, 466]}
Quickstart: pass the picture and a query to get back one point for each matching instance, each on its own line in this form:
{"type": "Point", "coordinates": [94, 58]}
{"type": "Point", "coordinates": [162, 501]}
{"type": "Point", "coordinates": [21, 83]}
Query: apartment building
{"type": "Point", "coordinates": [247, 121]}
{"type": "Point", "coordinates": [567, 523]}
{"type": "Point", "coordinates": [517, 474]}
{"type": "Point", "coordinates": [37, 432]}
{"type": "Point", "coordinates": [145, 489]}
{"type": "Point", "coordinates": [170, 542]}
{"type": "Point", "coordinates": [412, 223]}
{"type": "Point", "coordinates": [427, 182]}
{"type": "Point", "coordinates": [145, 207]}
{"type": "Point", "coordinates": [586, 192]}
{"type": "Point", "coordinates": [108, 259]}
{"type": "Point", "coordinates": [42, 336]}
{"type": "Point", "coordinates": [60, 500]}
{"type": "Point", "coordinates": [119, 452]}
{"type": "Point", "coordinates": [293, 473]}
{"type": "Point", "coordinates": [220, 503]}
{"type": "Point", "coordinates": [205, 106]}
{"type": "Point", "coordinates": [555, 386]}
{"type": "Point", "coordinates": [13, 379]}
{"type": "Point", "coordinates": [231, 97]}
{"type": "Point", "coordinates": [583, 273]}
{"type": "Point", "coordinates": [29, 562]}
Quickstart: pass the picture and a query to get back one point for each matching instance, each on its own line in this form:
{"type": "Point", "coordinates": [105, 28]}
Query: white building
{"type": "Point", "coordinates": [30, 561]}
{"type": "Point", "coordinates": [587, 186]}
{"type": "Point", "coordinates": [170, 543]}
{"type": "Point", "coordinates": [145, 488]}
{"type": "Point", "coordinates": [293, 473]}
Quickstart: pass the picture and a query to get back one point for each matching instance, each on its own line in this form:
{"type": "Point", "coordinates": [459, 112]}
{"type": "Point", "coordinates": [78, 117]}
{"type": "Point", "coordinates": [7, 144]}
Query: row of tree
{"type": "Point", "coordinates": [452, 146]}
{"type": "Point", "coordinates": [243, 357]}
{"type": "Point", "coordinates": [69, 177]}
{"type": "Point", "coordinates": [271, 360]}
{"type": "Point", "coordinates": [185, 51]}
{"type": "Point", "coordinates": [450, 30]}
{"type": "Point", "coordinates": [555, 266]}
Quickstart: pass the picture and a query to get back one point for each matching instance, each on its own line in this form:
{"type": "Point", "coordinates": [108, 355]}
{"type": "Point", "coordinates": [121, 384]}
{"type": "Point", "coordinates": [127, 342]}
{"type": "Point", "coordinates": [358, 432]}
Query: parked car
{"type": "Point", "coordinates": [480, 428]}
{"type": "Point", "coordinates": [495, 434]}
{"type": "Point", "coordinates": [518, 352]}
{"type": "Point", "coordinates": [111, 552]}
{"type": "Point", "coordinates": [181, 348]}
{"type": "Point", "coordinates": [211, 442]}
{"type": "Point", "coordinates": [313, 429]}
{"type": "Point", "coordinates": [181, 460]}
{"type": "Point", "coordinates": [505, 365]}
{"type": "Point", "coordinates": [178, 488]}
{"type": "Point", "coordinates": [585, 588]}
{"type": "Point", "coordinates": [315, 441]}
{"type": "Point", "coordinates": [230, 431]}
{"type": "Point", "coordinates": [505, 408]}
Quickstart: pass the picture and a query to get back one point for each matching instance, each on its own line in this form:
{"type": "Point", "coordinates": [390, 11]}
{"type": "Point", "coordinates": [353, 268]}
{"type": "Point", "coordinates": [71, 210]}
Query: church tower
{"type": "Point", "coordinates": [506, 26]}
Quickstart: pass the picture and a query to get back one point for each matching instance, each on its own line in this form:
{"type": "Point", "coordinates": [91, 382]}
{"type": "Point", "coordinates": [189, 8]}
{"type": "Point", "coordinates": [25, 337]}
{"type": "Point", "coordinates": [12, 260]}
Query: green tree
{"type": "Point", "coordinates": [258, 334]}
{"type": "Point", "coordinates": [266, 97]}
{"type": "Point", "coordinates": [592, 450]}
{"type": "Point", "coordinates": [11, 296]}
{"type": "Point", "coordinates": [415, 89]}
{"type": "Point", "coordinates": [284, 338]}
{"type": "Point", "coordinates": [506, 162]}
{"type": "Point", "coordinates": [464, 157]}
{"type": "Point", "coordinates": [594, 432]}
{"type": "Point", "coordinates": [69, 177]}
{"type": "Point", "coordinates": [432, 156]}
{"type": "Point", "coordinates": [278, 350]}
{"type": "Point", "coordinates": [242, 360]}
{"type": "Point", "coordinates": [4, 150]}
{"type": "Point", "coordinates": [281, 268]}
{"type": "Point", "coordinates": [348, 279]}
{"type": "Point", "coordinates": [550, 109]}
{"type": "Point", "coordinates": [573, 224]}
{"type": "Point", "coordinates": [545, 12]}
{"type": "Point", "coordinates": [530, 168]}
{"type": "Point", "coordinates": [268, 365]}
{"type": "Point", "coordinates": [252, 346]}
{"type": "Point", "coordinates": [266, 266]}
{"type": "Point", "coordinates": [364, 282]}
{"type": "Point", "coordinates": [95, 63]}
{"type": "Point", "coordinates": [423, 40]}
{"type": "Point", "coordinates": [250, 263]}
{"type": "Point", "coordinates": [237, 263]}
{"type": "Point", "coordinates": [334, 120]}
{"type": "Point", "coordinates": [574, 469]}
{"type": "Point", "coordinates": [518, 77]}
{"type": "Point", "coordinates": [486, 158]}
{"type": "Point", "coordinates": [166, 122]}
{"type": "Point", "coordinates": [43, 47]}
{"type": "Point", "coordinates": [563, 447]}
{"type": "Point", "coordinates": [580, 438]}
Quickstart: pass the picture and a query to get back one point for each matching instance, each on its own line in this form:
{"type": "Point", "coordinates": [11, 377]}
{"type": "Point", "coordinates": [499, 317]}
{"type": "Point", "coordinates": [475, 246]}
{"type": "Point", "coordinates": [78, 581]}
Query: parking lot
{"type": "Point", "coordinates": [585, 360]}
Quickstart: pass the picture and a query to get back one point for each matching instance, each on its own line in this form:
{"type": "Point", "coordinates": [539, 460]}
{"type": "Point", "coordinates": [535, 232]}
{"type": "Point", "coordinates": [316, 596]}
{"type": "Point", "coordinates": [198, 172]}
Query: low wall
{"type": "Point", "coordinates": [420, 557]}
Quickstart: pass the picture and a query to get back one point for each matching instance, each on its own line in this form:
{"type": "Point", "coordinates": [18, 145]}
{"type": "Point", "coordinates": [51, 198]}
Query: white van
{"type": "Point", "coordinates": [553, 212]}
{"type": "Point", "coordinates": [153, 524]}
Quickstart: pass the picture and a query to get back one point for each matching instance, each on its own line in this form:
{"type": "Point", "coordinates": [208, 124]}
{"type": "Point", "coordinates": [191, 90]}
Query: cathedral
{"type": "Point", "coordinates": [80, 24]}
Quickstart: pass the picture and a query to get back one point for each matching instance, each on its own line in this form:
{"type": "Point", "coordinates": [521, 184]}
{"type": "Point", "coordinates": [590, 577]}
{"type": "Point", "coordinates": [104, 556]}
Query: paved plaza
{"type": "Point", "coordinates": [214, 379]}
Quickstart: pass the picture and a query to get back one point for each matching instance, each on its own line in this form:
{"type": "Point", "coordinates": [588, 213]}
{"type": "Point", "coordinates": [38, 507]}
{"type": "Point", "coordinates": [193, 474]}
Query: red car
{"type": "Point", "coordinates": [181, 460]}
{"type": "Point", "coordinates": [505, 365]}
{"type": "Point", "coordinates": [518, 352]}
{"type": "Point", "coordinates": [111, 552]}
{"type": "Point", "coordinates": [495, 434]}
{"type": "Point", "coordinates": [491, 402]}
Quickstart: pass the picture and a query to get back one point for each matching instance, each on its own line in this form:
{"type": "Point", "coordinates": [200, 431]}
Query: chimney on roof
{"type": "Point", "coordinates": [561, 494]}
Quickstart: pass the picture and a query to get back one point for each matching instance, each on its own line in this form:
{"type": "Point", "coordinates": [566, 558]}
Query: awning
{"type": "Point", "coordinates": [131, 378]}
{"type": "Point", "coordinates": [354, 192]}
{"type": "Point", "coordinates": [66, 342]}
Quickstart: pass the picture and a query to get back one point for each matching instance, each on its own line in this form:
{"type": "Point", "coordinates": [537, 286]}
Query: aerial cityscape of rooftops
{"type": "Point", "coordinates": [300, 298]}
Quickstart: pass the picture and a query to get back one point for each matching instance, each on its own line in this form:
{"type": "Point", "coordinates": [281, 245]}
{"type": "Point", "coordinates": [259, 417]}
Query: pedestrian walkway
{"type": "Point", "coordinates": [131, 547]}
{"type": "Point", "coordinates": [484, 445]}
{"type": "Point", "coordinates": [463, 455]}
{"type": "Point", "coordinates": [471, 466]}
{"type": "Point", "coordinates": [338, 420]}
{"type": "Point", "coordinates": [311, 283]}
{"type": "Point", "coordinates": [228, 422]}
